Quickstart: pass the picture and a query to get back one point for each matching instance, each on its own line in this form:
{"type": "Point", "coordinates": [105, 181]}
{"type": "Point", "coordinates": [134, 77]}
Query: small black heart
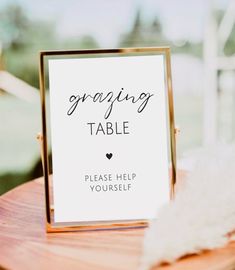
{"type": "Point", "coordinates": [109, 156]}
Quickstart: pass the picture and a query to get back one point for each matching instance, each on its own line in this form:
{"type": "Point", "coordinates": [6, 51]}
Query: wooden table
{"type": "Point", "coordinates": [25, 245]}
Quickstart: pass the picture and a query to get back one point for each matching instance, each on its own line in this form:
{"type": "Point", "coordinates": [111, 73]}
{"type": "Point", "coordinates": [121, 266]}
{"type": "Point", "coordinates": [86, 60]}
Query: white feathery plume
{"type": "Point", "coordinates": [201, 215]}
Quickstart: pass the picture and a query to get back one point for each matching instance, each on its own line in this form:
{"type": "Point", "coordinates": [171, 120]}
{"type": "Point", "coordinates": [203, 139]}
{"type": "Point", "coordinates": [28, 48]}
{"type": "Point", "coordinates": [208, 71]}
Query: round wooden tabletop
{"type": "Point", "coordinates": [24, 243]}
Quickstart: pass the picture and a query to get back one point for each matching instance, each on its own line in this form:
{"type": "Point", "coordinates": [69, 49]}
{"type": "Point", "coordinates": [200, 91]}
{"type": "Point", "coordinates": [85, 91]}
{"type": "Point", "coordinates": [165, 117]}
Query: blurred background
{"type": "Point", "coordinates": [201, 35]}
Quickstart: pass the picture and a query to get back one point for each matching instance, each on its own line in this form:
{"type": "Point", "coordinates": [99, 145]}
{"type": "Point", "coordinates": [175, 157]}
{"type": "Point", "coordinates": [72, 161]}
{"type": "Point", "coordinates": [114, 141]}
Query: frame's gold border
{"type": "Point", "coordinates": [53, 227]}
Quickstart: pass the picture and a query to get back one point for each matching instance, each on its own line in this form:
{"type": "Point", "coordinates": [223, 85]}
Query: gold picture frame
{"type": "Point", "coordinates": [51, 226]}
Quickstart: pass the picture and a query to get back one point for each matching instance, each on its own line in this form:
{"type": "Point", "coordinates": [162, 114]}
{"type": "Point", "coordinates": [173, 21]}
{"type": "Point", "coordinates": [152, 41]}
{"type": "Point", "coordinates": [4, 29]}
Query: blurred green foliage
{"type": "Point", "coordinates": [23, 38]}
{"type": "Point", "coordinates": [151, 34]}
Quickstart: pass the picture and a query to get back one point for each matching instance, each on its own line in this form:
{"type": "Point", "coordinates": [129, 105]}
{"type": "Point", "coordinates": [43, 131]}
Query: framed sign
{"type": "Point", "coordinates": [108, 122]}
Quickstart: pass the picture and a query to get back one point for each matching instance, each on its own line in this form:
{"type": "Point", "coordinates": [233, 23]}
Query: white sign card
{"type": "Point", "coordinates": [109, 118]}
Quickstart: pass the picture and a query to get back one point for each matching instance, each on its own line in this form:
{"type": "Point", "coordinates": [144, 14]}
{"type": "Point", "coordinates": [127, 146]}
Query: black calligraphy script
{"type": "Point", "coordinates": [111, 98]}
